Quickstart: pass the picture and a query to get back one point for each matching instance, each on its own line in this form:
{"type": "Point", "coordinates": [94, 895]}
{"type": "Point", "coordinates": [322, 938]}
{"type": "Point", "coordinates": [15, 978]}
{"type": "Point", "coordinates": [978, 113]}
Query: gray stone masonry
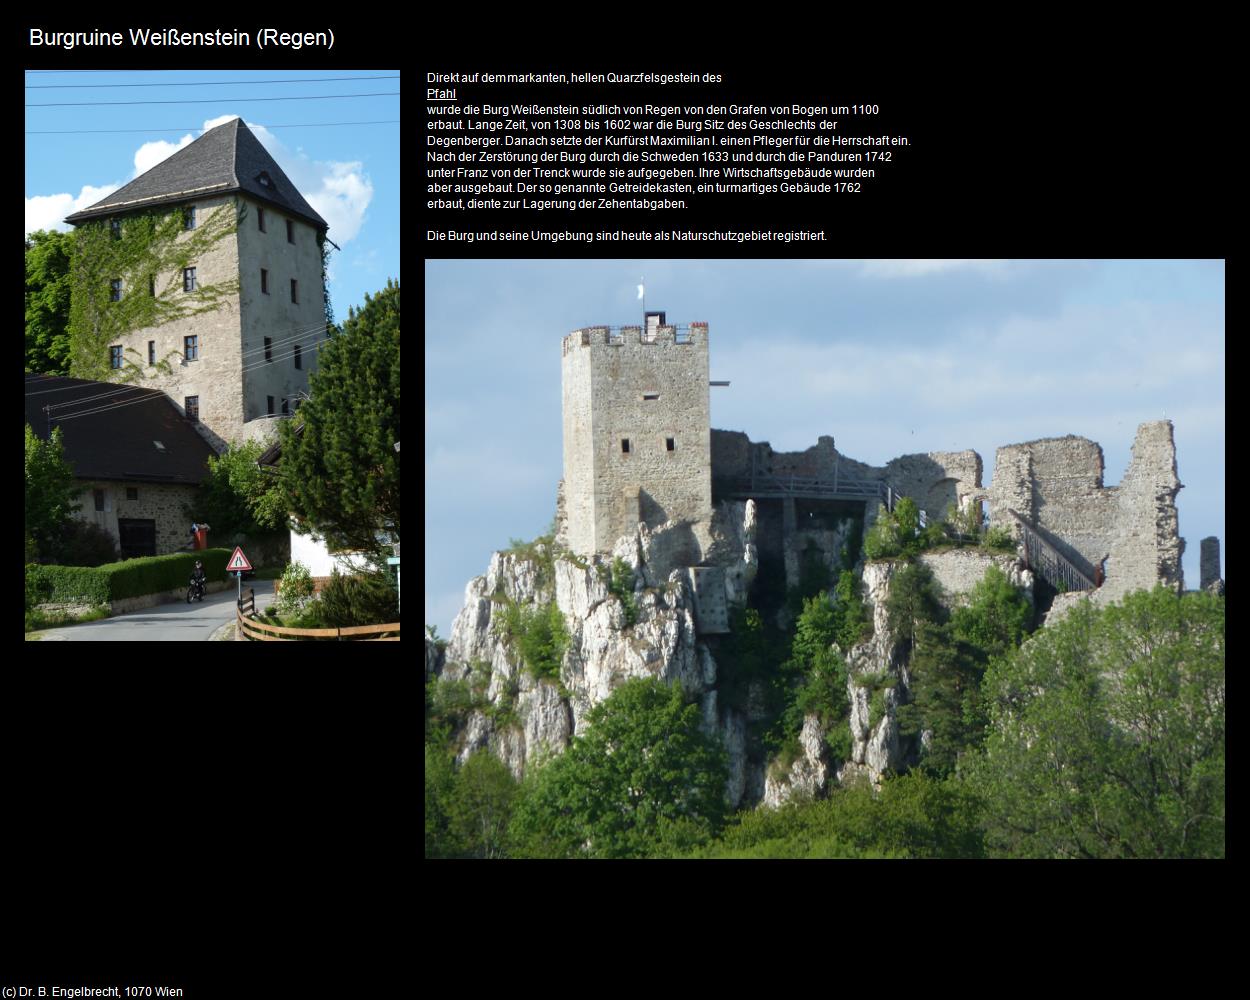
{"type": "Point", "coordinates": [229, 375]}
{"type": "Point", "coordinates": [1056, 484]}
{"type": "Point", "coordinates": [648, 388]}
{"type": "Point", "coordinates": [1210, 561]}
{"type": "Point", "coordinates": [159, 502]}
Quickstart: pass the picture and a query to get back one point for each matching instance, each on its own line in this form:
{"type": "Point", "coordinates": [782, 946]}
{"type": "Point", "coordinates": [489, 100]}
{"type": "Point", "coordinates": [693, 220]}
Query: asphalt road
{"type": "Point", "coordinates": [174, 622]}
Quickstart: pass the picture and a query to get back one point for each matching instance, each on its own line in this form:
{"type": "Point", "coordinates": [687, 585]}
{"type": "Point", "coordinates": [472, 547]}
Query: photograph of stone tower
{"type": "Point", "coordinates": [215, 286]}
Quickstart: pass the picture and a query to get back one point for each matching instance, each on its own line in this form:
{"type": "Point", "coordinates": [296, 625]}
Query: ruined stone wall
{"type": "Point", "coordinates": [650, 390]}
{"type": "Point", "coordinates": [935, 480]}
{"type": "Point", "coordinates": [1056, 484]}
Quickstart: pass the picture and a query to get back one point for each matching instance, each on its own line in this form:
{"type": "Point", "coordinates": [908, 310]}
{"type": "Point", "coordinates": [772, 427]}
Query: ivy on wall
{"type": "Point", "coordinates": [149, 258]}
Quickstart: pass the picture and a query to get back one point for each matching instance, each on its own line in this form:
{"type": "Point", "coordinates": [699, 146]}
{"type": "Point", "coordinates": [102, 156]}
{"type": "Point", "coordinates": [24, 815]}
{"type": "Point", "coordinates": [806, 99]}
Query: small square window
{"type": "Point", "coordinates": [624, 446]}
{"type": "Point", "coordinates": [191, 348]}
{"type": "Point", "coordinates": [188, 279]}
{"type": "Point", "coordinates": [260, 219]}
{"type": "Point", "coordinates": [192, 407]}
{"type": "Point", "coordinates": [670, 444]}
{"type": "Point", "coordinates": [269, 405]}
{"type": "Point", "coordinates": [294, 291]}
{"type": "Point", "coordinates": [290, 231]}
{"type": "Point", "coordinates": [132, 493]}
{"type": "Point", "coordinates": [268, 350]}
{"type": "Point", "coordinates": [151, 352]}
{"type": "Point", "coordinates": [99, 499]}
{"type": "Point", "coordinates": [115, 290]}
{"type": "Point", "coordinates": [264, 281]}
{"type": "Point", "coordinates": [115, 356]}
{"type": "Point", "coordinates": [298, 360]}
{"type": "Point", "coordinates": [188, 217]}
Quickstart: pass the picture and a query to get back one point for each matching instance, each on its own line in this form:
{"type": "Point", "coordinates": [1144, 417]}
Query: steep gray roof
{"type": "Point", "coordinates": [224, 159]}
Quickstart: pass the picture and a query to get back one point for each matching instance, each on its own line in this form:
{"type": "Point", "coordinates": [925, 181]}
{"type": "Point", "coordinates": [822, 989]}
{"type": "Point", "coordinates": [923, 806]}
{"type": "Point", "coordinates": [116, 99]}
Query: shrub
{"type": "Point", "coordinates": [538, 634]}
{"type": "Point", "coordinates": [82, 543]}
{"type": "Point", "coordinates": [296, 589]}
{"type": "Point", "coordinates": [153, 574]}
{"type": "Point", "coordinates": [359, 600]}
{"type": "Point", "coordinates": [621, 586]}
{"type": "Point", "coordinates": [999, 539]}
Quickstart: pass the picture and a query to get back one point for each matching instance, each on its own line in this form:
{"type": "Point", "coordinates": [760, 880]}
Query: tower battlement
{"type": "Point", "coordinates": [637, 430]}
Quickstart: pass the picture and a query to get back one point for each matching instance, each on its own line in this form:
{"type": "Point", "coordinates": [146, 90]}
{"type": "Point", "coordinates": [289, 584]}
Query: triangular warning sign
{"type": "Point", "coordinates": [238, 561]}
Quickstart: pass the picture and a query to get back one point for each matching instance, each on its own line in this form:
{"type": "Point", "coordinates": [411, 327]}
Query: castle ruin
{"type": "Point", "coordinates": [639, 450]}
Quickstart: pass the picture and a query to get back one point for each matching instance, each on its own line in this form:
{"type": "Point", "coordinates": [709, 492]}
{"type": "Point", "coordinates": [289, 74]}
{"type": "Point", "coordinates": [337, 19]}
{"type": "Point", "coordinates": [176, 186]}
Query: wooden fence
{"type": "Point", "coordinates": [251, 630]}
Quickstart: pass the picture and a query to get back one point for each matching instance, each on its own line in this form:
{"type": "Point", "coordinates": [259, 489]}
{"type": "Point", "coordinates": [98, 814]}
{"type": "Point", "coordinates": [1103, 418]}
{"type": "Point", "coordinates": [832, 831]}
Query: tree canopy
{"type": "Point", "coordinates": [47, 301]}
{"type": "Point", "coordinates": [238, 496]}
{"type": "Point", "coordinates": [341, 471]}
{"type": "Point", "coordinates": [1107, 734]}
{"type": "Point", "coordinates": [51, 493]}
{"type": "Point", "coordinates": [642, 773]}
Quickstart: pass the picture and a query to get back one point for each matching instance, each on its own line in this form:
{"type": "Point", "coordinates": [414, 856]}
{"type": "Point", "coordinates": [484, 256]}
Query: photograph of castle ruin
{"type": "Point", "coordinates": [849, 611]}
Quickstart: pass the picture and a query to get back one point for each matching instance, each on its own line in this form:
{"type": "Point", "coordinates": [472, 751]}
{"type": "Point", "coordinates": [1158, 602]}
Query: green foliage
{"type": "Point", "coordinates": [1107, 734]}
{"type": "Point", "coordinates": [913, 817]}
{"type": "Point", "coordinates": [966, 521]}
{"type": "Point", "coordinates": [237, 497]}
{"type": "Point", "coordinates": [883, 539]}
{"type": "Point", "coordinates": [50, 491]}
{"type": "Point", "coordinates": [128, 578]}
{"type": "Point", "coordinates": [998, 539]}
{"type": "Point", "coordinates": [83, 543]}
{"type": "Point", "coordinates": [37, 620]}
{"type": "Point", "coordinates": [440, 784]}
{"type": "Point", "coordinates": [296, 589]}
{"type": "Point", "coordinates": [540, 552]}
{"type": "Point", "coordinates": [538, 633]}
{"type": "Point", "coordinates": [153, 246]}
{"type": "Point", "coordinates": [852, 624]}
{"type": "Point", "coordinates": [642, 763]}
{"type": "Point", "coordinates": [341, 474]}
{"type": "Point", "coordinates": [479, 807]}
{"type": "Point", "coordinates": [363, 599]}
{"type": "Point", "coordinates": [621, 586]}
{"type": "Point", "coordinates": [915, 597]}
{"type": "Point", "coordinates": [822, 691]}
{"type": "Point", "coordinates": [47, 301]}
{"type": "Point", "coordinates": [997, 616]}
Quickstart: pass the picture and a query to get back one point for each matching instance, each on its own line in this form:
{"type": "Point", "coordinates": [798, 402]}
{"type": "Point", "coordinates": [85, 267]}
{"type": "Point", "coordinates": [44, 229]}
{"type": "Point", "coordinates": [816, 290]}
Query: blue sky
{"type": "Point", "coordinates": [348, 173]}
{"type": "Point", "coordinates": [888, 357]}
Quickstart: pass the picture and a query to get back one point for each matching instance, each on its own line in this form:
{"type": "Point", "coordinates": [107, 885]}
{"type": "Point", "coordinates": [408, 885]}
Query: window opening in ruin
{"type": "Point", "coordinates": [298, 359]}
{"type": "Point", "coordinates": [152, 285]}
{"type": "Point", "coordinates": [264, 281]}
{"type": "Point", "coordinates": [670, 444]}
{"type": "Point", "coordinates": [294, 291]}
{"type": "Point", "coordinates": [151, 352]}
{"type": "Point", "coordinates": [260, 219]}
{"type": "Point", "coordinates": [682, 337]}
{"type": "Point", "coordinates": [290, 231]}
{"type": "Point", "coordinates": [650, 395]}
{"type": "Point", "coordinates": [624, 446]}
{"type": "Point", "coordinates": [268, 352]}
{"type": "Point", "coordinates": [269, 405]}
{"type": "Point", "coordinates": [132, 493]}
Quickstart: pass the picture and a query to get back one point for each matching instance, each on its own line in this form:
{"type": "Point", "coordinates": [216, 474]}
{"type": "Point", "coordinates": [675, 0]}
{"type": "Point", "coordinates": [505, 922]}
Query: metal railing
{"type": "Point", "coordinates": [1048, 562]}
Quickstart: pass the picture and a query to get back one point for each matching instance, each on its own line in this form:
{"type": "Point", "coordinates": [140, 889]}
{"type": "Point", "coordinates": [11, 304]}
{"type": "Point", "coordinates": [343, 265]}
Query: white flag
{"type": "Point", "coordinates": [640, 294]}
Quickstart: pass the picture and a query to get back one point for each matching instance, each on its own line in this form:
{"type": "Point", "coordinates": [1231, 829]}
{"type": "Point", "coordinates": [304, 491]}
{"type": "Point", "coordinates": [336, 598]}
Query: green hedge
{"type": "Point", "coordinates": [129, 578]}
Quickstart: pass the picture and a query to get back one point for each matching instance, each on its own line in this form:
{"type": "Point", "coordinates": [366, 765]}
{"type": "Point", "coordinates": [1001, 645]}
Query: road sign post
{"type": "Point", "coordinates": [237, 564]}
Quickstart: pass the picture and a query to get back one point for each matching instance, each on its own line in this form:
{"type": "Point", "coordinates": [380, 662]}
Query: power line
{"type": "Point", "coordinates": [210, 100]}
{"type": "Point", "coordinates": [198, 83]}
{"type": "Point", "coordinates": [192, 128]}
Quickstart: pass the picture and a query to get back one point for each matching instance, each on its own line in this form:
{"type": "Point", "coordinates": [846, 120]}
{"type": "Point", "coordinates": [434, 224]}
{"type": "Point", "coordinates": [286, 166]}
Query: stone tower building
{"type": "Point", "coordinates": [637, 431]}
{"type": "Point", "coordinates": [247, 360]}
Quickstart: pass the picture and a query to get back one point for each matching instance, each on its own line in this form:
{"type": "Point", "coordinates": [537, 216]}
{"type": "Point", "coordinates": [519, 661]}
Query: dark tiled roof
{"type": "Point", "coordinates": [117, 443]}
{"type": "Point", "coordinates": [224, 159]}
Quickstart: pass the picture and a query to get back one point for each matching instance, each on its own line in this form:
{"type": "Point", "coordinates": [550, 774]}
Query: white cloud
{"type": "Point", "coordinates": [915, 267]}
{"type": "Point", "coordinates": [151, 153]}
{"type": "Point", "coordinates": [48, 211]}
{"type": "Point", "coordinates": [340, 191]}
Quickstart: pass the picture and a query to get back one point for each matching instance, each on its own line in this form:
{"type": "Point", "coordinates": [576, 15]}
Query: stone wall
{"type": "Point", "coordinates": [1056, 484]}
{"type": "Point", "coordinates": [1209, 567]}
{"type": "Point", "coordinates": [272, 314]}
{"type": "Point", "coordinates": [958, 571]}
{"type": "Point", "coordinates": [651, 391]}
{"type": "Point", "coordinates": [161, 502]}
